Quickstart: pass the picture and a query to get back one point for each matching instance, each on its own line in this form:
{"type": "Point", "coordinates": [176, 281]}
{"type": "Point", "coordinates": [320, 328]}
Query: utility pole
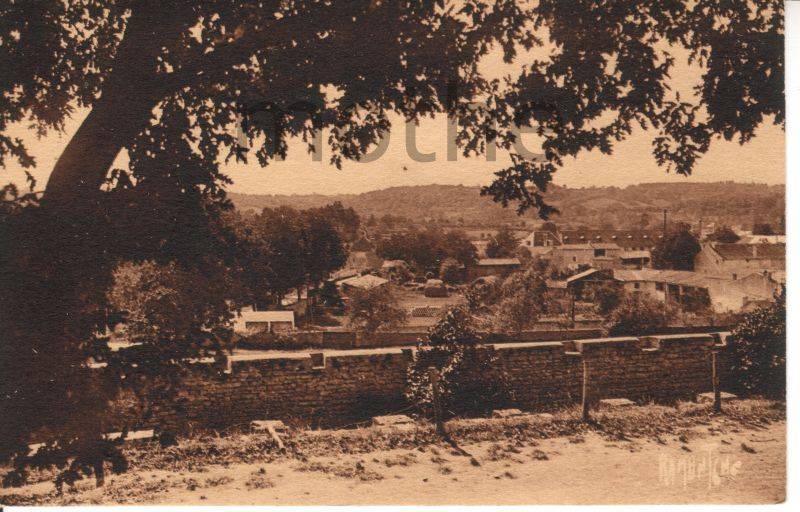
{"type": "Point", "coordinates": [665, 222]}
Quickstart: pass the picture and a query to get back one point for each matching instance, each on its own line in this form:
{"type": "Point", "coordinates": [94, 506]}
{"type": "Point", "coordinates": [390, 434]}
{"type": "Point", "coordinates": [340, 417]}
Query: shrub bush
{"type": "Point", "coordinates": [375, 309]}
{"type": "Point", "coordinates": [471, 383]}
{"type": "Point", "coordinates": [451, 271]}
{"type": "Point", "coordinates": [639, 314]}
{"type": "Point", "coordinates": [523, 299]}
{"type": "Point", "coordinates": [758, 351]}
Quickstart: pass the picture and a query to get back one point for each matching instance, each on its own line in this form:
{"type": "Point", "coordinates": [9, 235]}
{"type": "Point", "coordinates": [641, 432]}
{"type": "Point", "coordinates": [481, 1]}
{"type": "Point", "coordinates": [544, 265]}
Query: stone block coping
{"type": "Point", "coordinates": [709, 397]}
{"type": "Point", "coordinates": [616, 402]}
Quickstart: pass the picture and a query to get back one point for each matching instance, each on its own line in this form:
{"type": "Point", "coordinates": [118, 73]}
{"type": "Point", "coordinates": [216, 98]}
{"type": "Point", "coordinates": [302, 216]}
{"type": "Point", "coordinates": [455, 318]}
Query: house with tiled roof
{"type": "Point", "coordinates": [598, 248]}
{"type": "Point", "coordinates": [250, 322]}
{"type": "Point", "coordinates": [735, 261]}
{"type": "Point", "coordinates": [762, 239]}
{"type": "Point", "coordinates": [626, 239]}
{"type": "Point", "coordinates": [365, 282]}
{"type": "Point", "coordinates": [493, 267]}
{"type": "Point", "coordinates": [671, 286]}
{"type": "Point", "coordinates": [596, 255]}
{"type": "Point", "coordinates": [573, 256]}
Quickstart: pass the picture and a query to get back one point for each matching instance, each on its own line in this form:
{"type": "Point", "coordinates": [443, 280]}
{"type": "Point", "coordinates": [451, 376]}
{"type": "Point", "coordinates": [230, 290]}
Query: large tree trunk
{"type": "Point", "coordinates": [83, 166]}
{"type": "Point", "coordinates": [130, 93]}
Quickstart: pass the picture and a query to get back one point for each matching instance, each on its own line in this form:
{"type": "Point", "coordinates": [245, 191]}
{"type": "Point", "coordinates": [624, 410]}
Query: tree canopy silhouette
{"type": "Point", "coordinates": [154, 70]}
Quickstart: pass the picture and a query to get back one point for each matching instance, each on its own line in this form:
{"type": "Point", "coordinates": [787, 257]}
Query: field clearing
{"type": "Point", "coordinates": [650, 454]}
{"type": "Point", "coordinates": [410, 299]}
{"type": "Point", "coordinates": [407, 300]}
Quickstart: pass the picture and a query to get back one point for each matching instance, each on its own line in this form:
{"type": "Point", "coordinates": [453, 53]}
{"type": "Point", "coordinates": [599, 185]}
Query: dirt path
{"type": "Point", "coordinates": [744, 466]}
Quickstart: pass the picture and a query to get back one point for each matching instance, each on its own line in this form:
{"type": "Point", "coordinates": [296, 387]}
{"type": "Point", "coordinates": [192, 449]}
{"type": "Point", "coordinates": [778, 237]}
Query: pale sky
{"type": "Point", "coordinates": [762, 160]}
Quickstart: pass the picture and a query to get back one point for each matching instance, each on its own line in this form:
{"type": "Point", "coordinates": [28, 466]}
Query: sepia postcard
{"type": "Point", "coordinates": [393, 252]}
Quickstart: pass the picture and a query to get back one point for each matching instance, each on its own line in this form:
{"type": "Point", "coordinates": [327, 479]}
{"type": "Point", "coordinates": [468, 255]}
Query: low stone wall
{"type": "Point", "coordinates": [347, 387]}
{"type": "Point", "coordinates": [340, 340]}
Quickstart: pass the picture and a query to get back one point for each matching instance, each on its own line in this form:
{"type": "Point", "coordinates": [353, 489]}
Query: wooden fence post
{"type": "Point", "coordinates": [715, 380]}
{"type": "Point", "coordinates": [437, 412]}
{"type": "Point", "coordinates": [586, 391]}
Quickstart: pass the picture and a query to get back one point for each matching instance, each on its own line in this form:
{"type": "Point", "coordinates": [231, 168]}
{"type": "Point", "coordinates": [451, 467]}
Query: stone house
{"type": "Point", "coordinates": [493, 267]}
{"type": "Point", "coordinates": [734, 261]}
{"type": "Point", "coordinates": [251, 322]}
{"type": "Point", "coordinates": [671, 286]}
{"type": "Point", "coordinates": [573, 256]}
{"type": "Point", "coordinates": [365, 282]}
{"type": "Point", "coordinates": [626, 239]}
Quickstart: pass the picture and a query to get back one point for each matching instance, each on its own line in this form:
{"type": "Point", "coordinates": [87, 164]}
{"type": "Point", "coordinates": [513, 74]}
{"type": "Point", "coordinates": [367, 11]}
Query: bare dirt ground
{"type": "Point", "coordinates": [695, 458]}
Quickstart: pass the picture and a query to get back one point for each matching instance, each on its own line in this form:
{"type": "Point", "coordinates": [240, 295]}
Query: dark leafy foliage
{"type": "Point", "coordinates": [345, 220]}
{"type": "Point", "coordinates": [502, 245]}
{"type": "Point", "coordinates": [55, 312]}
{"type": "Point", "coordinates": [482, 294]}
{"type": "Point", "coordinates": [605, 295]}
{"type": "Point", "coordinates": [290, 249]}
{"type": "Point", "coordinates": [44, 383]}
{"type": "Point", "coordinates": [639, 314]}
{"type": "Point", "coordinates": [724, 235]}
{"type": "Point", "coordinates": [677, 250]}
{"type": "Point", "coordinates": [522, 300]}
{"type": "Point", "coordinates": [166, 308]}
{"type": "Point", "coordinates": [427, 249]}
{"type": "Point", "coordinates": [510, 304]}
{"type": "Point", "coordinates": [329, 295]}
{"type": "Point", "coordinates": [762, 228]}
{"type": "Point", "coordinates": [374, 309]}
{"type": "Point", "coordinates": [609, 75]}
{"type": "Point", "coordinates": [696, 300]}
{"type": "Point", "coordinates": [80, 456]}
{"type": "Point", "coordinates": [758, 351]}
{"type": "Point", "coordinates": [451, 271]}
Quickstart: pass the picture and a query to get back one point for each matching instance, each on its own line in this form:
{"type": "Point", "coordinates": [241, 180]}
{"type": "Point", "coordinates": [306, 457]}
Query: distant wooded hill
{"type": "Point", "coordinates": [735, 204]}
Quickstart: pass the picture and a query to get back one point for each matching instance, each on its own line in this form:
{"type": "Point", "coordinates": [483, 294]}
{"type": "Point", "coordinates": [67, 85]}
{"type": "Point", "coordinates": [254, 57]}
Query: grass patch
{"type": "Point", "coordinates": [258, 480]}
{"type": "Point", "coordinates": [343, 470]}
{"type": "Point", "coordinates": [406, 459]}
{"type": "Point", "coordinates": [217, 481]}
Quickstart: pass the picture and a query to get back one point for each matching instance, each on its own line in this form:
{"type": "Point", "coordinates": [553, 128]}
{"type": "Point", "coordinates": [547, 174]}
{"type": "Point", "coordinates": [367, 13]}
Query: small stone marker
{"type": "Point", "coordinates": [507, 413]}
{"type": "Point", "coordinates": [264, 425]}
{"type": "Point", "coordinates": [709, 397]}
{"type": "Point", "coordinates": [272, 427]}
{"type": "Point", "coordinates": [616, 402]}
{"type": "Point", "coordinates": [393, 420]}
{"type": "Point", "coordinates": [134, 435]}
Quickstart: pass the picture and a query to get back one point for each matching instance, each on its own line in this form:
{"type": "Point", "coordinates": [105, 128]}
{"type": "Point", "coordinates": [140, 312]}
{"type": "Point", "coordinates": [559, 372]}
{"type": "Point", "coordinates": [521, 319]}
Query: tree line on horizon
{"type": "Point", "coordinates": [632, 207]}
